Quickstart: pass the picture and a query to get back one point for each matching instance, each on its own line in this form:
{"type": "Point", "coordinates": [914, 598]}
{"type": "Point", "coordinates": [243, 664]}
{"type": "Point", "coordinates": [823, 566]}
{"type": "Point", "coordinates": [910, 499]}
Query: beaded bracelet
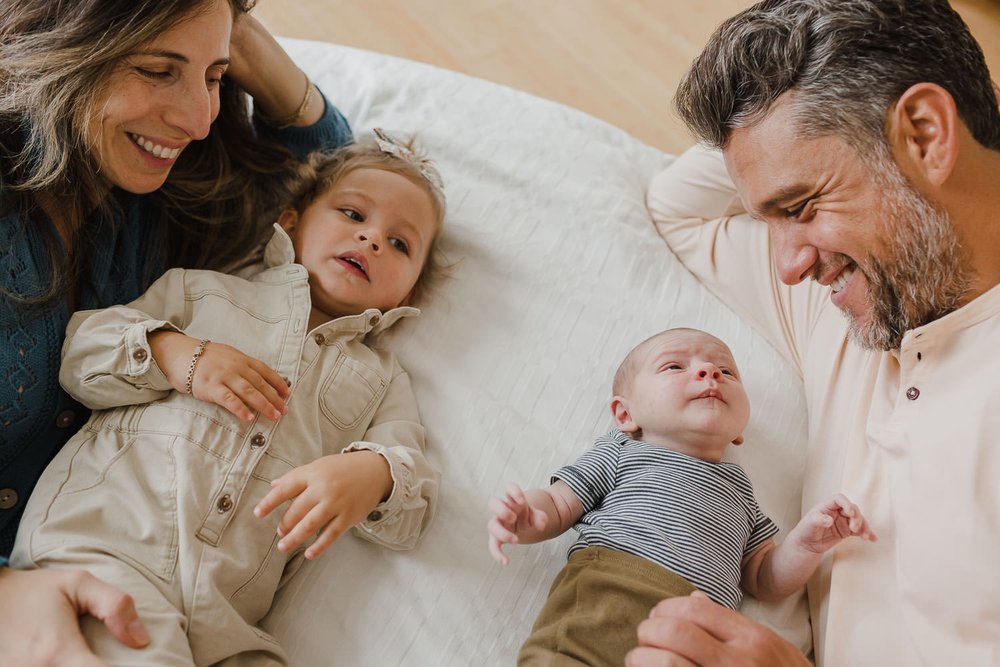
{"type": "Point", "coordinates": [288, 121]}
{"type": "Point", "coordinates": [194, 362]}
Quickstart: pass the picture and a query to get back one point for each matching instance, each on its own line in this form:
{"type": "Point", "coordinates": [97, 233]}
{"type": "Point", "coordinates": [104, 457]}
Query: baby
{"type": "Point", "coordinates": [217, 399]}
{"type": "Point", "coordinates": [657, 511]}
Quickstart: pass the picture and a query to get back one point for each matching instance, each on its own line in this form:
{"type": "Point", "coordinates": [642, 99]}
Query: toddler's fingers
{"type": "Point", "coordinates": [258, 395]}
{"type": "Point", "coordinates": [224, 397]}
{"type": "Point", "coordinates": [304, 527]}
{"type": "Point", "coordinates": [330, 534]}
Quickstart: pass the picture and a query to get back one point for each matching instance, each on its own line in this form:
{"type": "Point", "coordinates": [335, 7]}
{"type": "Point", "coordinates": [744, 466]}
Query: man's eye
{"type": "Point", "coordinates": [798, 211]}
{"type": "Point", "coordinates": [352, 214]}
{"type": "Point", "coordinates": [400, 245]}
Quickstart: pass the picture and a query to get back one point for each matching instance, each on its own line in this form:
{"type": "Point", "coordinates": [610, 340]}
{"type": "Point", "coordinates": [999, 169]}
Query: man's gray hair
{"type": "Point", "coordinates": [847, 62]}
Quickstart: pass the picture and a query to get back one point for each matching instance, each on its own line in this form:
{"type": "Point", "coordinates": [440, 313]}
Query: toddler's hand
{"type": "Point", "coordinates": [332, 494]}
{"type": "Point", "coordinates": [510, 513]}
{"type": "Point", "coordinates": [224, 376]}
{"type": "Point", "coordinates": [826, 524]}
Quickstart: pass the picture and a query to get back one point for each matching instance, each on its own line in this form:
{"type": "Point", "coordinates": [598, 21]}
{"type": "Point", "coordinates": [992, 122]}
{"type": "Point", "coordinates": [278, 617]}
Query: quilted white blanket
{"type": "Point", "coordinates": [558, 272]}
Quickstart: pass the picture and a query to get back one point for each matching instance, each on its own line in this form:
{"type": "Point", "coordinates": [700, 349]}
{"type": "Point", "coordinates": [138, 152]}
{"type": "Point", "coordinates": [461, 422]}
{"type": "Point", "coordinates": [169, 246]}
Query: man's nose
{"type": "Point", "coordinates": [793, 256]}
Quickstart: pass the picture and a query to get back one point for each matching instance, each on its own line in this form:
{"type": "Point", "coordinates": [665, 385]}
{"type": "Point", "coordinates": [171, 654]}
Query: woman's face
{"type": "Point", "coordinates": [161, 98]}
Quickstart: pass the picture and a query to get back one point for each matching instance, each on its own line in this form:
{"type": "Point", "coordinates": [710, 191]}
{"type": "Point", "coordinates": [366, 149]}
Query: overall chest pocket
{"type": "Point", "coordinates": [351, 392]}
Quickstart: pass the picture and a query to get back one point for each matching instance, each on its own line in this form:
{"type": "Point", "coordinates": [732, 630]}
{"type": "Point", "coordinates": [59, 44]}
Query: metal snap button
{"type": "Point", "coordinates": [258, 440]}
{"type": "Point", "coordinates": [139, 355]}
{"type": "Point", "coordinates": [375, 319]}
{"type": "Point", "coordinates": [912, 393]}
{"type": "Point", "coordinates": [319, 338]}
{"type": "Point", "coordinates": [375, 515]}
{"type": "Point", "coordinates": [65, 419]}
{"type": "Point", "coordinates": [8, 498]}
{"type": "Point", "coordinates": [225, 504]}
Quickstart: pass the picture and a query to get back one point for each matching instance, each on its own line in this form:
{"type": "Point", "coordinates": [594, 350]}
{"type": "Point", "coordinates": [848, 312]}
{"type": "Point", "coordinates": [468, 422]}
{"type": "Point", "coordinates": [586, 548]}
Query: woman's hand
{"type": "Point", "coordinates": [40, 623]}
{"type": "Point", "coordinates": [332, 494]}
{"type": "Point", "coordinates": [223, 375]}
{"type": "Point", "coordinates": [261, 67]}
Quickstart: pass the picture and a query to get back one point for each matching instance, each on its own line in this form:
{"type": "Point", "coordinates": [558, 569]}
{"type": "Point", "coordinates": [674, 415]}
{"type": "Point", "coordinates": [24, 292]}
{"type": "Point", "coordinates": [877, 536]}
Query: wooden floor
{"type": "Point", "coordinates": [619, 60]}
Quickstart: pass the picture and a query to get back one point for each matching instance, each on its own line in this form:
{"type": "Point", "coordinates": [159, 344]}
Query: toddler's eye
{"type": "Point", "coordinates": [352, 214]}
{"type": "Point", "coordinates": [400, 245]}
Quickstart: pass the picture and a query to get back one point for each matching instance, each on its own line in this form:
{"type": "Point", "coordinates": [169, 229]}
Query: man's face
{"type": "Point", "coordinates": [892, 261]}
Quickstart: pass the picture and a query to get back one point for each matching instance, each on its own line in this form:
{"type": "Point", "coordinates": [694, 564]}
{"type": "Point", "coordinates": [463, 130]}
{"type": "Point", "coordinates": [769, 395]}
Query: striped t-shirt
{"type": "Point", "coordinates": [696, 518]}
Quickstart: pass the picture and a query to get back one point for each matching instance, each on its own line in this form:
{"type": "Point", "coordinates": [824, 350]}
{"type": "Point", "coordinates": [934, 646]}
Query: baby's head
{"type": "Point", "coordinates": [364, 220]}
{"type": "Point", "coordinates": [681, 389]}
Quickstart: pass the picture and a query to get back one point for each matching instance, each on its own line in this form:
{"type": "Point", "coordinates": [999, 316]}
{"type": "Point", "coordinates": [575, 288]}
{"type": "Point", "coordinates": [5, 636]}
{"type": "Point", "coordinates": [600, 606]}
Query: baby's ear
{"type": "Point", "coordinates": [289, 219]}
{"type": "Point", "coordinates": [738, 440]}
{"type": "Point", "coordinates": [619, 410]}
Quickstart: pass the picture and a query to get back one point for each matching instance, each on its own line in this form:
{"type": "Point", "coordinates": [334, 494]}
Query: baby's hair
{"type": "Point", "coordinates": [324, 169]}
{"type": "Point", "coordinates": [626, 370]}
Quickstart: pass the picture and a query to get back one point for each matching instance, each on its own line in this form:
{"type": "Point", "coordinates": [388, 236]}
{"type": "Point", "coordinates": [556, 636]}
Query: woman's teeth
{"type": "Point", "coordinates": [841, 280]}
{"type": "Point", "coordinates": [155, 149]}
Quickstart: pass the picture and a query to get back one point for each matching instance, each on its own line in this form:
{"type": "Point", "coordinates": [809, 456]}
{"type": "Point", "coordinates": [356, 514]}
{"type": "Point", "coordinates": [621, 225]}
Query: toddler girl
{"type": "Point", "coordinates": [219, 398]}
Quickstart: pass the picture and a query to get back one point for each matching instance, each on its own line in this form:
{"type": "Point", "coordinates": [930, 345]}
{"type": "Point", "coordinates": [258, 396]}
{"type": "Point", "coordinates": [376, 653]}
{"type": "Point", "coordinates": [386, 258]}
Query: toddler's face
{"type": "Point", "coordinates": [364, 241]}
{"type": "Point", "coordinates": [686, 394]}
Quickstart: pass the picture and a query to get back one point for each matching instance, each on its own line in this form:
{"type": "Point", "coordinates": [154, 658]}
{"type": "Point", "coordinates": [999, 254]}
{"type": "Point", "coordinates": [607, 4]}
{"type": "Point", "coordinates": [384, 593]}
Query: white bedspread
{"type": "Point", "coordinates": [558, 272]}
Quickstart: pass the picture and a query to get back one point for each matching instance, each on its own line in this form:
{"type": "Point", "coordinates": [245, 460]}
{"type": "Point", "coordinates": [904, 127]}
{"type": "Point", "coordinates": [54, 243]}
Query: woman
{"type": "Point", "coordinates": [126, 147]}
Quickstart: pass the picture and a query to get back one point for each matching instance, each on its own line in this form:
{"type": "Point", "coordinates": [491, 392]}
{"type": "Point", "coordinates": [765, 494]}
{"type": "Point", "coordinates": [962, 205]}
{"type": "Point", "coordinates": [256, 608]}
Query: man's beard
{"type": "Point", "coordinates": [923, 275]}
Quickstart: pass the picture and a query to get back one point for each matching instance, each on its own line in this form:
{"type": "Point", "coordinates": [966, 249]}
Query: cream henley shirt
{"type": "Point", "coordinates": [911, 435]}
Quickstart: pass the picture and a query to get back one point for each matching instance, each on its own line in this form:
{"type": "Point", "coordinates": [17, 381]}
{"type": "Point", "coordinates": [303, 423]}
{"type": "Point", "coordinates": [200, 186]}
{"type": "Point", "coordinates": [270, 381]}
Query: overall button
{"type": "Point", "coordinates": [375, 515]}
{"type": "Point", "coordinates": [139, 355]}
{"type": "Point", "coordinates": [912, 393]}
{"type": "Point", "coordinates": [65, 419]}
{"type": "Point", "coordinates": [8, 498]}
{"type": "Point", "coordinates": [225, 504]}
{"type": "Point", "coordinates": [319, 338]}
{"type": "Point", "coordinates": [258, 440]}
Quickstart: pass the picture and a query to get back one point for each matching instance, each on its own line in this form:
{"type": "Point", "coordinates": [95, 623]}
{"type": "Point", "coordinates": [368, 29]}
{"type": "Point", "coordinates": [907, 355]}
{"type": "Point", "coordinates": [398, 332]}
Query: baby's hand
{"type": "Point", "coordinates": [510, 513]}
{"type": "Point", "coordinates": [826, 524]}
{"type": "Point", "coordinates": [332, 494]}
{"type": "Point", "coordinates": [223, 375]}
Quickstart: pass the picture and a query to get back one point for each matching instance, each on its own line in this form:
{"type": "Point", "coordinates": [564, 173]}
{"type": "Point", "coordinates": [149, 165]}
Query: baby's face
{"type": "Point", "coordinates": [364, 241]}
{"type": "Point", "coordinates": [686, 394]}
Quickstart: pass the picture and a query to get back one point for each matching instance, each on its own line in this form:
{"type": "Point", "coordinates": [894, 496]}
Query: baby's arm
{"type": "Point", "coordinates": [773, 572]}
{"type": "Point", "coordinates": [532, 516]}
{"type": "Point", "coordinates": [381, 485]}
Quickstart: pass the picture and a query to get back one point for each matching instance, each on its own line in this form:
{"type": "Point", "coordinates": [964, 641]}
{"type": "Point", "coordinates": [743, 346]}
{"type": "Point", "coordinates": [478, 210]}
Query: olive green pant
{"type": "Point", "coordinates": [594, 607]}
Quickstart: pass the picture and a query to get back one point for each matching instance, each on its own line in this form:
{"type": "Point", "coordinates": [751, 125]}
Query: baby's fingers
{"type": "Point", "coordinates": [500, 532]}
{"type": "Point", "coordinates": [502, 511]}
{"type": "Point", "coordinates": [496, 550]}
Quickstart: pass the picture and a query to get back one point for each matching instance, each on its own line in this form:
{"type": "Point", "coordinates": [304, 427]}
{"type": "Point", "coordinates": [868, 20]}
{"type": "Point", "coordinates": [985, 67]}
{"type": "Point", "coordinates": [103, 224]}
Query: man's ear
{"type": "Point", "coordinates": [738, 440]}
{"type": "Point", "coordinates": [923, 130]}
{"type": "Point", "coordinates": [289, 220]}
{"type": "Point", "coordinates": [619, 410]}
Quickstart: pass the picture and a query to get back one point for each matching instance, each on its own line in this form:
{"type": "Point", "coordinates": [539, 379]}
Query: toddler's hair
{"type": "Point", "coordinates": [323, 169]}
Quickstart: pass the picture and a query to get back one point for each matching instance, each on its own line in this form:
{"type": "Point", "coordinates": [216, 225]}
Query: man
{"type": "Point", "coordinates": [863, 138]}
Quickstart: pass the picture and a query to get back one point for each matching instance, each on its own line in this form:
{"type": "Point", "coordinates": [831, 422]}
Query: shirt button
{"type": "Point", "coordinates": [139, 355]}
{"type": "Point", "coordinates": [912, 393]}
{"type": "Point", "coordinates": [258, 440]}
{"type": "Point", "coordinates": [8, 498]}
{"type": "Point", "coordinates": [374, 515]}
{"type": "Point", "coordinates": [319, 338]}
{"type": "Point", "coordinates": [65, 419]}
{"type": "Point", "coordinates": [225, 504]}
{"type": "Point", "coordinates": [375, 319]}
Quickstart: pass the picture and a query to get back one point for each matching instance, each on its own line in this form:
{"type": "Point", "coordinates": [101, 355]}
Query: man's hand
{"type": "Point", "coordinates": [332, 494]}
{"type": "Point", "coordinates": [40, 625]}
{"type": "Point", "coordinates": [510, 514]}
{"type": "Point", "coordinates": [693, 630]}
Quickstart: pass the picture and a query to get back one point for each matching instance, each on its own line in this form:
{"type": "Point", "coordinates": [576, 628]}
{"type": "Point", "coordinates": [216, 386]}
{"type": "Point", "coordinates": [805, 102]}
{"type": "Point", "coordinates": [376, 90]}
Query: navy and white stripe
{"type": "Point", "coordinates": [693, 517]}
